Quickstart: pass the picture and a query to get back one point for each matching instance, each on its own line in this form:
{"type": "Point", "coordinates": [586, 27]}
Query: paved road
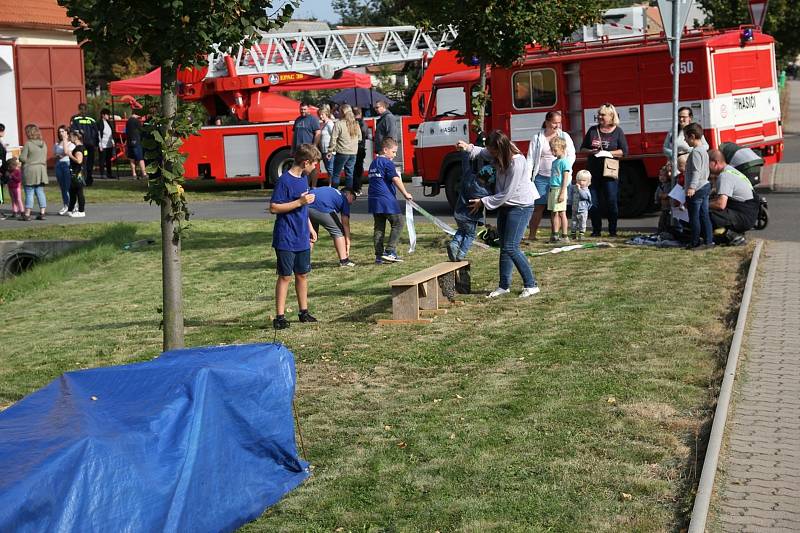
{"type": "Point", "coordinates": [256, 208]}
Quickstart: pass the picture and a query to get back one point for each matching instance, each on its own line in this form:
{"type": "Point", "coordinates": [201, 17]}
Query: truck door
{"type": "Point", "coordinates": [446, 124]}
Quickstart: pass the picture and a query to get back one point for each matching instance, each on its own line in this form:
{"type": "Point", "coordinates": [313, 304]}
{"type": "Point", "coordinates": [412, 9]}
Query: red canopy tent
{"type": "Point", "coordinates": [149, 83]}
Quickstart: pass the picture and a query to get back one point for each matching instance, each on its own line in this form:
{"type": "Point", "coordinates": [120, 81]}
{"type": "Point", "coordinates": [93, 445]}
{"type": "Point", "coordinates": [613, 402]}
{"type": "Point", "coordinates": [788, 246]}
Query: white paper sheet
{"type": "Point", "coordinates": [677, 193]}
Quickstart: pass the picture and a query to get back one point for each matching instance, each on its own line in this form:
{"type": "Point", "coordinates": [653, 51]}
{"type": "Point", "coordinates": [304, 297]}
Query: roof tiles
{"type": "Point", "coordinates": [35, 14]}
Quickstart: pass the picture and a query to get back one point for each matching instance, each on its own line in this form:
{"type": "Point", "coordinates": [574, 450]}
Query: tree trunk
{"type": "Point", "coordinates": [170, 241]}
{"type": "Point", "coordinates": [482, 110]}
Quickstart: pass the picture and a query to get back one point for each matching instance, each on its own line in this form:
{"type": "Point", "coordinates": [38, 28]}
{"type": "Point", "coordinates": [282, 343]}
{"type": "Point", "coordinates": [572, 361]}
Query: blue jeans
{"type": "Point", "coordinates": [462, 240]}
{"type": "Point", "coordinates": [605, 196]}
{"type": "Point", "coordinates": [511, 225]}
{"type": "Point", "coordinates": [38, 190]}
{"type": "Point", "coordinates": [346, 162]}
{"type": "Point", "coordinates": [64, 180]}
{"type": "Point", "coordinates": [699, 217]}
{"type": "Point", "coordinates": [329, 168]}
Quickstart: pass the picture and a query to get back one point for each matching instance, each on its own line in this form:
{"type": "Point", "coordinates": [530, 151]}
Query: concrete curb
{"type": "Point", "coordinates": [706, 486]}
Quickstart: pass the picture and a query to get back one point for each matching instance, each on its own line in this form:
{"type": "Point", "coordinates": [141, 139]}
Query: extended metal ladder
{"type": "Point", "coordinates": [322, 53]}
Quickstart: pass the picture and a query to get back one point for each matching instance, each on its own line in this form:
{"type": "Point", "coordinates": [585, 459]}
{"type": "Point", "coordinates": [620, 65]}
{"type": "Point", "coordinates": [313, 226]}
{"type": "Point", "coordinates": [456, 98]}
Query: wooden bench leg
{"type": "Point", "coordinates": [405, 303]}
{"type": "Point", "coordinates": [429, 294]}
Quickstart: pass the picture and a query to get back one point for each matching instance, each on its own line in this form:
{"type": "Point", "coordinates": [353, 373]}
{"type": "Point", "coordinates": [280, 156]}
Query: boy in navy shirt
{"type": "Point", "coordinates": [382, 202]}
{"type": "Point", "coordinates": [329, 205]}
{"type": "Point", "coordinates": [292, 234]}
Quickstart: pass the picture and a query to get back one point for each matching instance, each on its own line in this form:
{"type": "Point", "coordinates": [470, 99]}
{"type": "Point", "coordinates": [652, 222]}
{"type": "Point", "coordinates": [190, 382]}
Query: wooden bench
{"type": "Point", "coordinates": [420, 291]}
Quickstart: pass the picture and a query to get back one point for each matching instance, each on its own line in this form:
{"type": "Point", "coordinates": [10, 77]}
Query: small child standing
{"type": "Point", "coordinates": [382, 202]}
{"type": "Point", "coordinates": [663, 199]}
{"type": "Point", "coordinates": [698, 188]}
{"type": "Point", "coordinates": [292, 234]}
{"type": "Point", "coordinates": [560, 177]}
{"type": "Point", "coordinates": [581, 203]}
{"type": "Point", "coordinates": [15, 187]}
{"type": "Point", "coordinates": [473, 185]}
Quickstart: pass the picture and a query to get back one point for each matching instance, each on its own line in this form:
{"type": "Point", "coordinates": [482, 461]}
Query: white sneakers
{"type": "Point", "coordinates": [527, 292]}
{"type": "Point", "coordinates": [63, 210]}
{"type": "Point", "coordinates": [499, 291]}
{"type": "Point", "coordinates": [77, 214]}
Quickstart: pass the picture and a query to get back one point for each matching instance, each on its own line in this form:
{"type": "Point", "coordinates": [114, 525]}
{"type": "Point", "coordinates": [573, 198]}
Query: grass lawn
{"type": "Point", "coordinates": [579, 409]}
{"type": "Point", "coordinates": [129, 190]}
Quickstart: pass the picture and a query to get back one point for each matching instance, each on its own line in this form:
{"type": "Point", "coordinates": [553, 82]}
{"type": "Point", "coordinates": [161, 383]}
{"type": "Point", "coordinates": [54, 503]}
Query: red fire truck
{"type": "Point", "coordinates": [258, 150]}
{"type": "Point", "coordinates": [727, 77]}
{"type": "Point", "coordinates": [244, 83]}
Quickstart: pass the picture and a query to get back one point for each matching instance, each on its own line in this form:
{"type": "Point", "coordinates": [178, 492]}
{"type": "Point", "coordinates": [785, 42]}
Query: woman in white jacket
{"type": "Point", "coordinates": [514, 198]}
{"type": "Point", "coordinates": [540, 159]}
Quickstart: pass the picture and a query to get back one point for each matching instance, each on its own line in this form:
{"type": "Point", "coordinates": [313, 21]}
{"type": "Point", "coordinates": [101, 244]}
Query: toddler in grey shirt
{"type": "Point", "coordinates": [581, 203]}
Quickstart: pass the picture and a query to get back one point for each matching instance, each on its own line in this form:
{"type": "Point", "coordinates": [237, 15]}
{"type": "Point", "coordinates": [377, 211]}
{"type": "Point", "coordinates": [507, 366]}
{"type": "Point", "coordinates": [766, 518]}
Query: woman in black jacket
{"type": "Point", "coordinates": [603, 141]}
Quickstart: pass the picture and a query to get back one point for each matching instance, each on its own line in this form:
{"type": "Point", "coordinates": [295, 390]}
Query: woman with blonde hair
{"type": "Point", "coordinates": [34, 171]}
{"type": "Point", "coordinates": [344, 146]}
{"type": "Point", "coordinates": [326, 122]}
{"type": "Point", "coordinates": [605, 140]}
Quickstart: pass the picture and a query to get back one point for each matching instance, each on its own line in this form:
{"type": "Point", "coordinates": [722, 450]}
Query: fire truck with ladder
{"type": "Point", "coordinates": [257, 150]}
{"type": "Point", "coordinates": [727, 78]}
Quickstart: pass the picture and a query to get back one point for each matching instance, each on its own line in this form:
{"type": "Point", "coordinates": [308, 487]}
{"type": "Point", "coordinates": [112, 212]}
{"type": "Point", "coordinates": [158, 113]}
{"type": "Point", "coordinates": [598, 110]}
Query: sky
{"type": "Point", "coordinates": [320, 9]}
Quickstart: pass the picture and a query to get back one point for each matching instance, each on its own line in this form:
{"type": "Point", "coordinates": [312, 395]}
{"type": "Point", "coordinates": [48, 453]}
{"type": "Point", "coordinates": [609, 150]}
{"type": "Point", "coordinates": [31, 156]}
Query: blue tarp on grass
{"type": "Point", "coordinates": [195, 440]}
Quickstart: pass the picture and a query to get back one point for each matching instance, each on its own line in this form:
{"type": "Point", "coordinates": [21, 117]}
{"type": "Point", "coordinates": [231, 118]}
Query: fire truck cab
{"type": "Point", "coordinates": [729, 82]}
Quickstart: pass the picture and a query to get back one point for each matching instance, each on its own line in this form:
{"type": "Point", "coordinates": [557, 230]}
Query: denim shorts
{"type": "Point", "coordinates": [293, 262]}
{"type": "Point", "coordinates": [135, 152]}
{"type": "Point", "coordinates": [542, 184]}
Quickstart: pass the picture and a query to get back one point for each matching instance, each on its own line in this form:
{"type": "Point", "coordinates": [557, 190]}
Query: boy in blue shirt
{"type": "Point", "coordinates": [329, 205]}
{"type": "Point", "coordinates": [382, 202]}
{"type": "Point", "coordinates": [292, 234]}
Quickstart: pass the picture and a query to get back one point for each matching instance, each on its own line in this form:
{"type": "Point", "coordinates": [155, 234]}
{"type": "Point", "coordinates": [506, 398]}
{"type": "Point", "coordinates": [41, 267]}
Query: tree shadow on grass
{"type": "Point", "coordinates": [202, 240]}
{"type": "Point", "coordinates": [243, 265]}
{"type": "Point", "coordinates": [366, 313]}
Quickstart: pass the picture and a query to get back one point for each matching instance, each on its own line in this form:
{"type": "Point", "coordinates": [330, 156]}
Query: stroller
{"type": "Point", "coordinates": [749, 163]}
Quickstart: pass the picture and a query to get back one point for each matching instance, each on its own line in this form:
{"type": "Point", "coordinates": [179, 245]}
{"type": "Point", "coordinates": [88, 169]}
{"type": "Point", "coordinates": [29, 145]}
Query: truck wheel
{"type": "Point", "coordinates": [278, 164]}
{"type": "Point", "coordinates": [452, 183]}
{"type": "Point", "coordinates": [635, 191]}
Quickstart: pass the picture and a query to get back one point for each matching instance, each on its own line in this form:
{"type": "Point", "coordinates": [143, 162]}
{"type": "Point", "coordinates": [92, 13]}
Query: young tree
{"type": "Point", "coordinates": [172, 33]}
{"type": "Point", "coordinates": [496, 32]}
{"type": "Point", "coordinates": [783, 19]}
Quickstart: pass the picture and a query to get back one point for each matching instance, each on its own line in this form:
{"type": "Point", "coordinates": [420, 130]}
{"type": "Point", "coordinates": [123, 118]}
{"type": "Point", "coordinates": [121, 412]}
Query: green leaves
{"type": "Point", "coordinates": [497, 31]}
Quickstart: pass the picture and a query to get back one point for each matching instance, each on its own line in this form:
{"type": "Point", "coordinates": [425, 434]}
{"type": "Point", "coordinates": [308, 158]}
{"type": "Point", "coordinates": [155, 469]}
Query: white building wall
{"type": "Point", "coordinates": [38, 37]}
{"type": "Point", "coordinates": [8, 88]}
